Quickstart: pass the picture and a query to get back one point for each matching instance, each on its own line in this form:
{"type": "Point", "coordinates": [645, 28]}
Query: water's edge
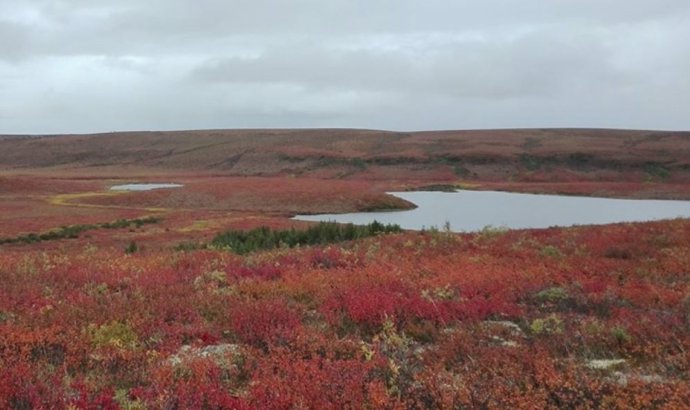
{"type": "Point", "coordinates": [469, 210]}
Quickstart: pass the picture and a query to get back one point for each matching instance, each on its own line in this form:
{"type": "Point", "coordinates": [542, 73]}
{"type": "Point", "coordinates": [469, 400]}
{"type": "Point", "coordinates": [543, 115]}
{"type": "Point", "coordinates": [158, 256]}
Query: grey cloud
{"type": "Point", "coordinates": [534, 64]}
{"type": "Point", "coordinates": [81, 65]}
{"type": "Point", "coordinates": [155, 26]}
{"type": "Point", "coordinates": [14, 41]}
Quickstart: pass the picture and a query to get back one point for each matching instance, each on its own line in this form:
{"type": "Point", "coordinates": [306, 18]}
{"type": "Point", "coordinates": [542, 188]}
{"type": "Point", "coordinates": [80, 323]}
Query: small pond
{"type": "Point", "coordinates": [473, 210]}
{"type": "Point", "coordinates": [142, 187]}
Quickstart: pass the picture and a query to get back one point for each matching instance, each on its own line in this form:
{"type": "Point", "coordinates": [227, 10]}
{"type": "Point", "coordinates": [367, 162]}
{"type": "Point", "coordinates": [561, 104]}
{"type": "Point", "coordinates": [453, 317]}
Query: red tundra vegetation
{"type": "Point", "coordinates": [114, 300]}
{"type": "Point", "coordinates": [578, 317]}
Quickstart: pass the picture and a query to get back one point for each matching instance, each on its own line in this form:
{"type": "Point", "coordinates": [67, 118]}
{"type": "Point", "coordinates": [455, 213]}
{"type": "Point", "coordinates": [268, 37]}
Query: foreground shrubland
{"type": "Point", "coordinates": [581, 317]}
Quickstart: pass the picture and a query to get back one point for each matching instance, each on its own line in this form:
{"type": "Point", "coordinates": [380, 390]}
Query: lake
{"type": "Point", "coordinates": [468, 211]}
{"type": "Point", "coordinates": [142, 187]}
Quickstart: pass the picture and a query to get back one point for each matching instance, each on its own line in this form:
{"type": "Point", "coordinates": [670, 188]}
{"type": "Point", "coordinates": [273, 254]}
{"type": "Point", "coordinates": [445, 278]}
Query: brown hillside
{"type": "Point", "coordinates": [553, 154]}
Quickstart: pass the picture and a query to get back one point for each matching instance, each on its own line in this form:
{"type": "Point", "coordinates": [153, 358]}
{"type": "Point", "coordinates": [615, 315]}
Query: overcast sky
{"type": "Point", "coordinates": [109, 65]}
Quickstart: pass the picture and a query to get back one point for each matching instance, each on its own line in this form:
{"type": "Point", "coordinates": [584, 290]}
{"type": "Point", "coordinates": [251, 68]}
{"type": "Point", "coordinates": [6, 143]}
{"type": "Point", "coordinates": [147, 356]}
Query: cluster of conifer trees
{"type": "Point", "coordinates": [263, 238]}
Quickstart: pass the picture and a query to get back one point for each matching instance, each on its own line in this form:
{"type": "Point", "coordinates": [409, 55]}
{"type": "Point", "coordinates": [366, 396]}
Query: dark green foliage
{"type": "Point", "coordinates": [73, 231]}
{"type": "Point", "coordinates": [358, 163]}
{"type": "Point", "coordinates": [437, 188]}
{"type": "Point", "coordinates": [126, 223]}
{"type": "Point", "coordinates": [657, 171]}
{"type": "Point", "coordinates": [263, 238]}
{"type": "Point", "coordinates": [189, 246]}
{"type": "Point", "coordinates": [530, 162]}
{"type": "Point", "coordinates": [580, 159]}
{"type": "Point", "coordinates": [131, 248]}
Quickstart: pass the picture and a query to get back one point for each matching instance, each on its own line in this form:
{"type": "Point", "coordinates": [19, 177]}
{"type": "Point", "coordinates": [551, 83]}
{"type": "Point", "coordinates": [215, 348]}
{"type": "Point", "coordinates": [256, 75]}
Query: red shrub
{"type": "Point", "coordinates": [261, 323]}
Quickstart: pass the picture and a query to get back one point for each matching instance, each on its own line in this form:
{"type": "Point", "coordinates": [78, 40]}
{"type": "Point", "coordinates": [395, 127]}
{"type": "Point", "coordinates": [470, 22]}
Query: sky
{"type": "Point", "coordinates": [80, 66]}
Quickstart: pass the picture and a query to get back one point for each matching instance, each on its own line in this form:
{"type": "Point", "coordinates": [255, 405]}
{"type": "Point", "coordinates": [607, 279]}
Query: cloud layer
{"type": "Point", "coordinates": [84, 66]}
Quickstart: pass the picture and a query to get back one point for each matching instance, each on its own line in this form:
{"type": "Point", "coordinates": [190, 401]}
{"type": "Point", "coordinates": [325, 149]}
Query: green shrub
{"type": "Point", "coordinates": [189, 246]}
{"type": "Point", "coordinates": [264, 238]}
{"type": "Point", "coordinates": [131, 248]}
{"type": "Point", "coordinates": [548, 325]}
{"type": "Point", "coordinates": [530, 162]}
{"type": "Point", "coordinates": [620, 334]}
{"type": "Point", "coordinates": [552, 295]}
{"type": "Point", "coordinates": [550, 252]}
{"type": "Point", "coordinates": [115, 334]}
{"type": "Point", "coordinates": [656, 171]}
{"type": "Point", "coordinates": [491, 232]}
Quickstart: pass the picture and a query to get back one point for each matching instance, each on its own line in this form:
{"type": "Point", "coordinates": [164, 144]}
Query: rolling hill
{"type": "Point", "coordinates": [562, 154]}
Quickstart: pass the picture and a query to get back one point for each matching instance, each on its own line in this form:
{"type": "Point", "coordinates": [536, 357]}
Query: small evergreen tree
{"type": "Point", "coordinates": [131, 248]}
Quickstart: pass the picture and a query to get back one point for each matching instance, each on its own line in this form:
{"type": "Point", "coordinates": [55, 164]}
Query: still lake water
{"type": "Point", "coordinates": [468, 211]}
{"type": "Point", "coordinates": [142, 187]}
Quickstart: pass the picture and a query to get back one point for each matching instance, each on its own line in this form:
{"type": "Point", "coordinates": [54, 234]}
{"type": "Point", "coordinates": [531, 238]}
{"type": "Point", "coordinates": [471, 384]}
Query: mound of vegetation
{"type": "Point", "coordinates": [264, 238]}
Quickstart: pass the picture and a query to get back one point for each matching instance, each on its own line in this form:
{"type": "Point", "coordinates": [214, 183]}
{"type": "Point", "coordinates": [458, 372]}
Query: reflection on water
{"type": "Point", "coordinates": [474, 210]}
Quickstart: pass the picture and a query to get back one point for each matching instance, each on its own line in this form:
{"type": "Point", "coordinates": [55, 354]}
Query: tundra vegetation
{"type": "Point", "coordinates": [209, 296]}
{"type": "Point", "coordinates": [578, 317]}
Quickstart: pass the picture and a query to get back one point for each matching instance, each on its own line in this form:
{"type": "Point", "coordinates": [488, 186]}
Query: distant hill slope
{"type": "Point", "coordinates": [485, 154]}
